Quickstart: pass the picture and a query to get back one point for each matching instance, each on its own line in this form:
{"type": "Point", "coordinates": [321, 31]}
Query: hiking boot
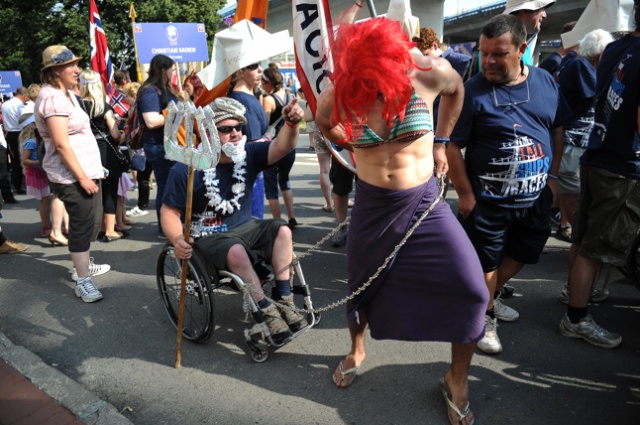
{"type": "Point", "coordinates": [597, 296]}
{"type": "Point", "coordinates": [86, 290]}
{"type": "Point", "coordinates": [490, 343]}
{"type": "Point", "coordinates": [94, 270]}
{"type": "Point", "coordinates": [295, 320]}
{"type": "Point", "coordinates": [590, 331]}
{"type": "Point", "coordinates": [504, 312]}
{"type": "Point", "coordinates": [276, 324]}
{"type": "Point", "coordinates": [11, 247]}
{"type": "Point", "coordinates": [340, 238]}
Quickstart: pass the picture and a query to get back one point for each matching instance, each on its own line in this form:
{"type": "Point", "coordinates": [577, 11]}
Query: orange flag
{"type": "Point", "coordinates": [255, 11]}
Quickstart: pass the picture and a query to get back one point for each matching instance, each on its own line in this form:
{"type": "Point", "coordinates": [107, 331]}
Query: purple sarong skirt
{"type": "Point", "coordinates": [434, 289]}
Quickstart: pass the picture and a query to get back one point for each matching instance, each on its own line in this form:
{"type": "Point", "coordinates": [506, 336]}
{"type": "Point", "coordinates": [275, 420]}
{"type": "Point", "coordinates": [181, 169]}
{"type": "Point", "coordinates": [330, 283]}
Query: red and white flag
{"type": "Point", "coordinates": [312, 37]}
{"type": "Point", "coordinates": [100, 59]}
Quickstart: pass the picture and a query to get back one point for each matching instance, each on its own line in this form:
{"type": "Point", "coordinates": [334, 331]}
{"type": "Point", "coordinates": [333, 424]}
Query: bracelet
{"type": "Point", "coordinates": [444, 140]}
{"type": "Point", "coordinates": [291, 125]}
{"type": "Point", "coordinates": [552, 176]}
{"type": "Point", "coordinates": [358, 4]}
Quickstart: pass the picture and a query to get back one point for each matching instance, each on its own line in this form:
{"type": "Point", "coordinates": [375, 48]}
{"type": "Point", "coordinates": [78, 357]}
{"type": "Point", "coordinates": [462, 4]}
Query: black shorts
{"type": "Point", "coordinates": [257, 237]}
{"type": "Point", "coordinates": [341, 178]}
{"type": "Point", "coordinates": [85, 213]}
{"type": "Point", "coordinates": [520, 233]}
{"type": "Point", "coordinates": [608, 217]}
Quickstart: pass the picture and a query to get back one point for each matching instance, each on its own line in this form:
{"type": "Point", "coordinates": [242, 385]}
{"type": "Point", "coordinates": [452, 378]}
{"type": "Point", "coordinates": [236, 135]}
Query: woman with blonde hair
{"type": "Point", "coordinates": [72, 162]}
{"type": "Point", "coordinates": [105, 129]}
{"type": "Point", "coordinates": [35, 178]}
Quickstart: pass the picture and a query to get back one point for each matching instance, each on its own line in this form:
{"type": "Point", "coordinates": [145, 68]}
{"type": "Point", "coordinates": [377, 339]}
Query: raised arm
{"type": "Point", "coordinates": [288, 136]}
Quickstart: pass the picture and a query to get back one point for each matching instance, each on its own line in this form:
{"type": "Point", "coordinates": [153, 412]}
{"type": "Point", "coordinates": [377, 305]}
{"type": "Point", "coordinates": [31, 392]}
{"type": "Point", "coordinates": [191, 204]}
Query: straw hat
{"type": "Point", "coordinates": [242, 44]}
{"type": "Point", "coordinates": [57, 55]}
{"type": "Point", "coordinates": [400, 10]}
{"type": "Point", "coordinates": [515, 5]}
{"type": "Point", "coordinates": [225, 108]}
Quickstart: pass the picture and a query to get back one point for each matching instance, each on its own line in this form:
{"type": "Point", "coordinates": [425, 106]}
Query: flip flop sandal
{"type": "Point", "coordinates": [327, 209]}
{"type": "Point", "coordinates": [446, 393]}
{"type": "Point", "coordinates": [347, 376]}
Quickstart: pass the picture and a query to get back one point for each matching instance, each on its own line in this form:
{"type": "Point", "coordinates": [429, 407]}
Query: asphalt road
{"type": "Point", "coordinates": [123, 347]}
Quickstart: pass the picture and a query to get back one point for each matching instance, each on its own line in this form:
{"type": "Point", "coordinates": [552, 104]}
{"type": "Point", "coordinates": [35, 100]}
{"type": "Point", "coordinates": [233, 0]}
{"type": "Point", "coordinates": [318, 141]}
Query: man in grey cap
{"type": "Point", "coordinates": [226, 234]}
{"type": "Point", "coordinates": [532, 13]}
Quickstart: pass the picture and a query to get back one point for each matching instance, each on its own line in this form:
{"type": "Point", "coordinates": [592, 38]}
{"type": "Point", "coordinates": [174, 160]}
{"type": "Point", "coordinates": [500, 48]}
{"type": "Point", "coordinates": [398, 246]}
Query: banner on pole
{"type": "Point", "coordinates": [182, 42]}
{"type": "Point", "coordinates": [10, 81]}
{"type": "Point", "coordinates": [312, 35]}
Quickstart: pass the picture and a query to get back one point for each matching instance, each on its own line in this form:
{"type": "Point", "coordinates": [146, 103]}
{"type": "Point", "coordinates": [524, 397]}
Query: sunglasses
{"type": "Point", "coordinates": [253, 66]}
{"type": "Point", "coordinates": [227, 129]}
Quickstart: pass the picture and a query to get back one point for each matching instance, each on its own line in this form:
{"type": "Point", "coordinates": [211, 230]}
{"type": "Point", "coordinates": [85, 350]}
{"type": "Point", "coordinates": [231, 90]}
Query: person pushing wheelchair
{"type": "Point", "coordinates": [232, 240]}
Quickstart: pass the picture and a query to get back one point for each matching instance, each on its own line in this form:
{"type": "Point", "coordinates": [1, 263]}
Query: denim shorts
{"type": "Point", "coordinates": [520, 233]}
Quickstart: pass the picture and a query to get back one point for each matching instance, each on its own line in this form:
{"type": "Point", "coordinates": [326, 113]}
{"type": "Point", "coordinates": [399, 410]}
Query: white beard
{"type": "Point", "coordinates": [232, 150]}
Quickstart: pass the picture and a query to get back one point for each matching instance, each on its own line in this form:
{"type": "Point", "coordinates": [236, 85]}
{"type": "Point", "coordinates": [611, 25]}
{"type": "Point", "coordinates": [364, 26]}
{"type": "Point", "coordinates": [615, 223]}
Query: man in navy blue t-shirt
{"type": "Point", "coordinates": [607, 219]}
{"type": "Point", "coordinates": [227, 236]}
{"type": "Point", "coordinates": [576, 78]}
{"type": "Point", "coordinates": [508, 116]}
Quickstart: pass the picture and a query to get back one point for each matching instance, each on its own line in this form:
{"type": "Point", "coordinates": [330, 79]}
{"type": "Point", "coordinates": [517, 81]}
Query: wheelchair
{"type": "Point", "coordinates": [199, 309]}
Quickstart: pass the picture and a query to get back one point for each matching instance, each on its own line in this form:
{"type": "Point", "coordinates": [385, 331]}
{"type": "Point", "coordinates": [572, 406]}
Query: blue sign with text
{"type": "Point", "coordinates": [10, 81]}
{"type": "Point", "coordinates": [182, 42]}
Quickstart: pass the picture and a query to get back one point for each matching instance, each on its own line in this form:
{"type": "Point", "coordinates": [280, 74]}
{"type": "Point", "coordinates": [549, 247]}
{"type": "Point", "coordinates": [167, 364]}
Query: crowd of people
{"type": "Point", "coordinates": [514, 138]}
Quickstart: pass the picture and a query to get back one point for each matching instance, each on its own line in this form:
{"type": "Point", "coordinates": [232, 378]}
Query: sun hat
{"type": "Point", "coordinates": [515, 5]}
{"type": "Point", "coordinates": [57, 55]}
{"type": "Point", "coordinates": [242, 44]}
{"type": "Point", "coordinates": [26, 115]}
{"type": "Point", "coordinates": [400, 10]}
{"type": "Point", "coordinates": [225, 108]}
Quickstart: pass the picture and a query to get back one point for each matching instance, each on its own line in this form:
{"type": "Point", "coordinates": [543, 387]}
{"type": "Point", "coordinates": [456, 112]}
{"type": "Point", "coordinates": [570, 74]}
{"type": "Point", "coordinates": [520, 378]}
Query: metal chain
{"type": "Point", "coordinates": [248, 289]}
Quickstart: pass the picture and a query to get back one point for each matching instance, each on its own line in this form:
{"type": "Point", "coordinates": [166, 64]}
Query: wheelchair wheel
{"type": "Point", "coordinates": [198, 323]}
{"type": "Point", "coordinates": [633, 261]}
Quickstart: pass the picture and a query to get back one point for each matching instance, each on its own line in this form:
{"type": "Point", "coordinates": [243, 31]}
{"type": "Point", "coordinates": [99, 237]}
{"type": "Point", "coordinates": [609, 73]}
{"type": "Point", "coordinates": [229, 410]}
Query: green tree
{"type": "Point", "coordinates": [29, 30]}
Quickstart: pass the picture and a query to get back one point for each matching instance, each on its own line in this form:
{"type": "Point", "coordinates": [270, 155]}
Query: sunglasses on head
{"type": "Point", "coordinates": [253, 66]}
{"type": "Point", "coordinates": [227, 129]}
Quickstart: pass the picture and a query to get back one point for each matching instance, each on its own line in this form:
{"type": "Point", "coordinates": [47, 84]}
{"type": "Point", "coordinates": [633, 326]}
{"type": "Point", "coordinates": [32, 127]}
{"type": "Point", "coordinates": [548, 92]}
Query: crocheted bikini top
{"type": "Point", "coordinates": [417, 122]}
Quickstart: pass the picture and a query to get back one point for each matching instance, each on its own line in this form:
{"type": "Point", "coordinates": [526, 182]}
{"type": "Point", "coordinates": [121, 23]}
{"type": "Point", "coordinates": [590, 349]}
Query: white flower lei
{"type": "Point", "coordinates": [238, 156]}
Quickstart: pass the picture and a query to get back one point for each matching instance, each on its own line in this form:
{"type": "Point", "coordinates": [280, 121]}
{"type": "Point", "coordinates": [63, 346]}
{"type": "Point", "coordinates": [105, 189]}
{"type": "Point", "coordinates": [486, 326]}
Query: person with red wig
{"type": "Point", "coordinates": [420, 295]}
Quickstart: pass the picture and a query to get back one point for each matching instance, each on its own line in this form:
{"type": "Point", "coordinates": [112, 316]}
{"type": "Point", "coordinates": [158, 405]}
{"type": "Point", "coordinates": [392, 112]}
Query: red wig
{"type": "Point", "coordinates": [195, 81]}
{"type": "Point", "coordinates": [371, 62]}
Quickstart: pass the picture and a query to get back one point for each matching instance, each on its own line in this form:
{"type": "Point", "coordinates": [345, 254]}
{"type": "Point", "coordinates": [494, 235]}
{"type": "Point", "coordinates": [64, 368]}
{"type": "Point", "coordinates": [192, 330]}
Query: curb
{"type": "Point", "coordinates": [84, 404]}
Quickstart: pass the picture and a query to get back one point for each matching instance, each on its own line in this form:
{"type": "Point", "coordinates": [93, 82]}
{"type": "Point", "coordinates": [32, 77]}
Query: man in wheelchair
{"type": "Point", "coordinates": [232, 240]}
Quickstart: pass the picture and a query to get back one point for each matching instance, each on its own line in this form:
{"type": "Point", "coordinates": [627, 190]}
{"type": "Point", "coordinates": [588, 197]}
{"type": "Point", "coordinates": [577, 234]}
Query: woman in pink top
{"type": "Point", "coordinates": [72, 162]}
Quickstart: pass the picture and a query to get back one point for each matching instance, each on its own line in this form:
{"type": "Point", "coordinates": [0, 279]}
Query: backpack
{"type": "Point", "coordinates": [133, 128]}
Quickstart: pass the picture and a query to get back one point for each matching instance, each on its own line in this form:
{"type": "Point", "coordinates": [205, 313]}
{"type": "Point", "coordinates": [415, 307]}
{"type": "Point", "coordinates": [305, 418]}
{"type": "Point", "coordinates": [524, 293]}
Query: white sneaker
{"type": "Point", "coordinates": [88, 291]}
{"type": "Point", "coordinates": [136, 212]}
{"type": "Point", "coordinates": [590, 331]}
{"type": "Point", "coordinates": [94, 270]}
{"type": "Point", "coordinates": [490, 343]}
{"type": "Point", "coordinates": [504, 312]}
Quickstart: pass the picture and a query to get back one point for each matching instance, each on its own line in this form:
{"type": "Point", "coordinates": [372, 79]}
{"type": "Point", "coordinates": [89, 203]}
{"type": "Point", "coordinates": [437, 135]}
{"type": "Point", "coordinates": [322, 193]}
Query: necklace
{"type": "Point", "coordinates": [224, 206]}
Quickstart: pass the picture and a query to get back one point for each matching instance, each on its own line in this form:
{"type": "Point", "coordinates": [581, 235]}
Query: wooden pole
{"type": "Point", "coordinates": [185, 267]}
{"type": "Point", "coordinates": [133, 16]}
